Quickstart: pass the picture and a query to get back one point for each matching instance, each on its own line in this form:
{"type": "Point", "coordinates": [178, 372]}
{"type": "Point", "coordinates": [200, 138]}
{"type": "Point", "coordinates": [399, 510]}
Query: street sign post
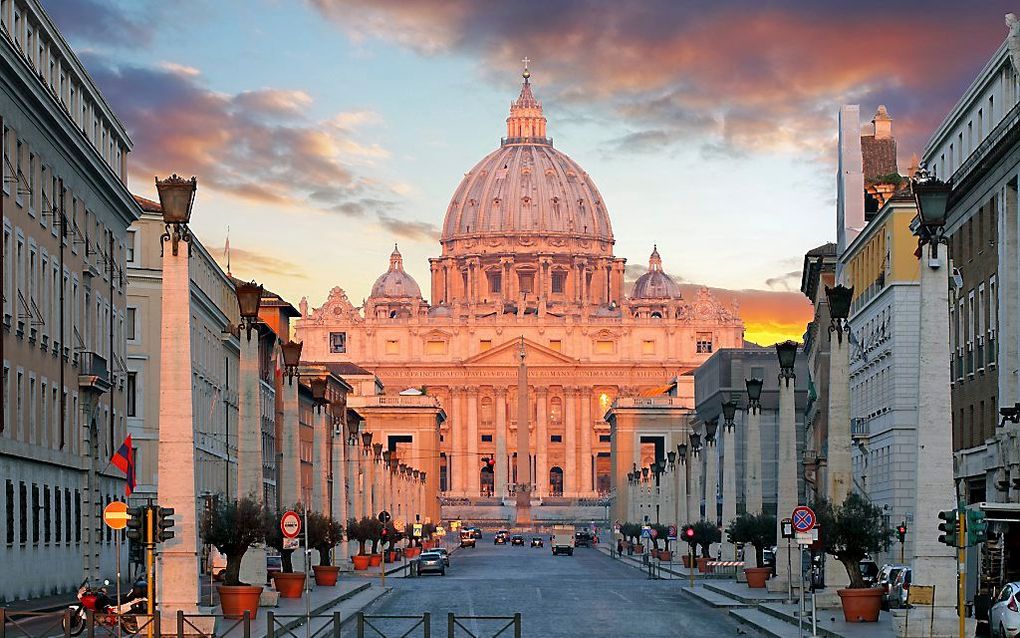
{"type": "Point", "coordinates": [803, 519]}
{"type": "Point", "coordinates": [115, 515]}
{"type": "Point", "coordinates": [290, 524]}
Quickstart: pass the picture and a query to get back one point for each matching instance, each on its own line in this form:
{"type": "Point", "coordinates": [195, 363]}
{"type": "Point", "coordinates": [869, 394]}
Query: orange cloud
{"type": "Point", "coordinates": [769, 316]}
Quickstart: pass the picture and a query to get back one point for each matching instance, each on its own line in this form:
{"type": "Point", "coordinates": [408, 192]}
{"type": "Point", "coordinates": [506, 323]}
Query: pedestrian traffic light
{"type": "Point", "coordinates": [901, 531]}
{"type": "Point", "coordinates": [164, 523]}
{"type": "Point", "coordinates": [136, 524]}
{"type": "Point", "coordinates": [977, 528]}
{"type": "Point", "coordinates": [948, 527]}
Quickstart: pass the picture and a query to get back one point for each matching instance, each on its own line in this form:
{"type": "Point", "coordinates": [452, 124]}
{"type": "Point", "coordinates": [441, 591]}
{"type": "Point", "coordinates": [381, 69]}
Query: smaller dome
{"type": "Point", "coordinates": [442, 310]}
{"type": "Point", "coordinates": [655, 284]}
{"type": "Point", "coordinates": [395, 283]}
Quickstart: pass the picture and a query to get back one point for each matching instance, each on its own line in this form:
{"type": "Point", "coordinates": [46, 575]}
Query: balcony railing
{"type": "Point", "coordinates": [93, 373]}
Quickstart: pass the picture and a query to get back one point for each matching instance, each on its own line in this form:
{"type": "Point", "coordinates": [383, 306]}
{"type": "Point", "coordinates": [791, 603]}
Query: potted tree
{"type": "Point", "coordinates": [232, 527]}
{"type": "Point", "coordinates": [758, 530]}
{"type": "Point", "coordinates": [706, 533]}
{"type": "Point", "coordinates": [356, 532]}
{"type": "Point", "coordinates": [289, 584]}
{"type": "Point", "coordinates": [850, 532]}
{"type": "Point", "coordinates": [324, 533]}
{"type": "Point", "coordinates": [690, 536]}
{"type": "Point", "coordinates": [373, 530]}
{"type": "Point", "coordinates": [393, 536]}
{"type": "Point", "coordinates": [661, 534]}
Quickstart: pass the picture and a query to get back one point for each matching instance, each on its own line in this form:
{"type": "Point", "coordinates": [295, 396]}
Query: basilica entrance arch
{"type": "Point", "coordinates": [487, 481]}
{"type": "Point", "coordinates": [556, 481]}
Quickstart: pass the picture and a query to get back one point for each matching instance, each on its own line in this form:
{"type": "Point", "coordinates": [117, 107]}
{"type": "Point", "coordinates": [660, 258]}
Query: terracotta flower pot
{"type": "Point", "coordinates": [289, 585]}
{"type": "Point", "coordinates": [686, 558]}
{"type": "Point", "coordinates": [326, 575]}
{"type": "Point", "coordinates": [236, 599]}
{"type": "Point", "coordinates": [374, 560]}
{"type": "Point", "coordinates": [703, 565]}
{"type": "Point", "coordinates": [665, 555]}
{"type": "Point", "coordinates": [360, 562]}
{"type": "Point", "coordinates": [639, 549]}
{"type": "Point", "coordinates": [411, 552]}
{"type": "Point", "coordinates": [756, 576]}
{"type": "Point", "coordinates": [394, 556]}
{"type": "Point", "coordinates": [861, 605]}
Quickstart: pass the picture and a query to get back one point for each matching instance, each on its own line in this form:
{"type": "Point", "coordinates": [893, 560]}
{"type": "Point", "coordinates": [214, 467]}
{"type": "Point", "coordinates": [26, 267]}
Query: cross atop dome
{"type": "Point", "coordinates": [526, 123]}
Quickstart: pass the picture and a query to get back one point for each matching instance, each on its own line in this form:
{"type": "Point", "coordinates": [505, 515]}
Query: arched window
{"type": "Point", "coordinates": [556, 481]}
{"type": "Point", "coordinates": [656, 315]}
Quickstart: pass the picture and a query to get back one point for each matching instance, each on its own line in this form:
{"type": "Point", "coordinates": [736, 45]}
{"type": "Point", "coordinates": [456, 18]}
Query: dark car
{"type": "Point", "coordinates": [476, 532]}
{"type": "Point", "coordinates": [536, 541]}
{"type": "Point", "coordinates": [582, 539]}
{"type": "Point", "coordinates": [517, 539]}
{"type": "Point", "coordinates": [499, 539]}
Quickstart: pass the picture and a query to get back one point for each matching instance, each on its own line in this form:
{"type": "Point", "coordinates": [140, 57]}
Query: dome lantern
{"type": "Point", "coordinates": [526, 123]}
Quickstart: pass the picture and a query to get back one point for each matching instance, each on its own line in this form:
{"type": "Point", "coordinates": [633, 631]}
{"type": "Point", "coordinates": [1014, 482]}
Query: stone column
{"type": "Point", "coordinates": [371, 487]}
{"type": "Point", "coordinates": [341, 510]}
{"type": "Point", "coordinates": [367, 506]}
{"type": "Point", "coordinates": [250, 481]}
{"type": "Point", "coordinates": [353, 457]}
{"type": "Point", "coordinates": [290, 467]}
{"type": "Point", "coordinates": [932, 562]}
{"type": "Point", "coordinates": [178, 586]}
{"type": "Point", "coordinates": [570, 401]}
{"type": "Point", "coordinates": [838, 465]}
{"type": "Point", "coordinates": [453, 462]}
{"type": "Point", "coordinates": [787, 496]}
{"type": "Point", "coordinates": [541, 443]}
{"type": "Point", "coordinates": [501, 474]}
{"type": "Point", "coordinates": [752, 462]}
{"type": "Point", "coordinates": [320, 454]}
{"type": "Point", "coordinates": [473, 464]}
{"type": "Point", "coordinates": [694, 486]}
{"type": "Point", "coordinates": [680, 499]}
{"type": "Point", "coordinates": [728, 551]}
{"type": "Point", "coordinates": [711, 453]}
{"type": "Point", "coordinates": [587, 485]}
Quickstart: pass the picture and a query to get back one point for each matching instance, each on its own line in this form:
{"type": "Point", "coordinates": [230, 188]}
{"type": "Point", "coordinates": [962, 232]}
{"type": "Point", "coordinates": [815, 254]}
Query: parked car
{"type": "Point", "coordinates": [505, 533]}
{"type": "Point", "coordinates": [582, 539]}
{"type": "Point", "coordinates": [1004, 615]}
{"type": "Point", "coordinates": [431, 562]}
{"type": "Point", "coordinates": [536, 541]}
{"type": "Point", "coordinates": [768, 559]}
{"type": "Point", "coordinates": [900, 589]}
{"type": "Point", "coordinates": [517, 539]}
{"type": "Point", "coordinates": [869, 570]}
{"type": "Point", "coordinates": [886, 576]}
{"type": "Point", "coordinates": [445, 553]}
{"type": "Point", "coordinates": [476, 532]}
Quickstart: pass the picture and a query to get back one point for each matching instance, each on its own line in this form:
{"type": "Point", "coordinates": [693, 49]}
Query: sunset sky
{"type": "Point", "coordinates": [322, 131]}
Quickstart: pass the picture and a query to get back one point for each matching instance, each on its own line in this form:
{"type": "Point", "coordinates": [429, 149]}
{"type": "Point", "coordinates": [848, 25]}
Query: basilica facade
{"type": "Point", "coordinates": [527, 252]}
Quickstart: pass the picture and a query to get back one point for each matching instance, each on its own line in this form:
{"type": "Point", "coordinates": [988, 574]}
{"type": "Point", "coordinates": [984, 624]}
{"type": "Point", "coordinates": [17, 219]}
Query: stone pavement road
{"type": "Point", "coordinates": [587, 594]}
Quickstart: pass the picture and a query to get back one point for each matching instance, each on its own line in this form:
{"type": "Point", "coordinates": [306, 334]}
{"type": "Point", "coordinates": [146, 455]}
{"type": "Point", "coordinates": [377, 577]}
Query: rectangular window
{"type": "Point", "coordinates": [132, 394]}
{"type": "Point", "coordinates": [648, 346]}
{"type": "Point", "coordinates": [130, 323]}
{"type": "Point", "coordinates": [9, 511]}
{"type": "Point", "coordinates": [704, 343]}
{"type": "Point", "coordinates": [527, 282]}
{"type": "Point", "coordinates": [435, 347]}
{"type": "Point", "coordinates": [57, 515]}
{"type": "Point", "coordinates": [67, 515]}
{"type": "Point", "coordinates": [46, 514]}
{"type": "Point", "coordinates": [77, 517]}
{"type": "Point", "coordinates": [35, 514]}
{"type": "Point", "coordinates": [485, 344]}
{"type": "Point", "coordinates": [556, 438]}
{"type": "Point", "coordinates": [559, 282]}
{"type": "Point", "coordinates": [486, 438]}
{"type": "Point", "coordinates": [605, 438]}
{"type": "Point", "coordinates": [556, 344]}
{"type": "Point", "coordinates": [129, 246]}
{"type": "Point", "coordinates": [392, 346]}
{"type": "Point", "coordinates": [338, 342]}
{"type": "Point", "coordinates": [603, 347]}
{"type": "Point", "coordinates": [495, 282]}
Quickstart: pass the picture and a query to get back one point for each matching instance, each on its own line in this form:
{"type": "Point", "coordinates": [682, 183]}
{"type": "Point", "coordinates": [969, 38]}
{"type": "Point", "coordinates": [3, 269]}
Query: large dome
{"type": "Point", "coordinates": [527, 187]}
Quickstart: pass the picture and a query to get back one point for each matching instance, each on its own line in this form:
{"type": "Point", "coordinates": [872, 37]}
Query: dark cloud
{"type": "Point", "coordinates": [102, 22]}
{"type": "Point", "coordinates": [786, 281]}
{"type": "Point", "coordinates": [407, 229]}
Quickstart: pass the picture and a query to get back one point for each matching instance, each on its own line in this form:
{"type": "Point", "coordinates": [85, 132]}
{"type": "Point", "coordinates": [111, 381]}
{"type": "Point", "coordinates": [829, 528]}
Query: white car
{"type": "Point", "coordinates": [1004, 616]}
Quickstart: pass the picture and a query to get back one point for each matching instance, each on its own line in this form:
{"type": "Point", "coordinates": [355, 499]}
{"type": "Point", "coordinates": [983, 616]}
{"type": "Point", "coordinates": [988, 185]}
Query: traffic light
{"type": "Point", "coordinates": [977, 527]}
{"type": "Point", "coordinates": [688, 533]}
{"type": "Point", "coordinates": [136, 552]}
{"type": "Point", "coordinates": [488, 461]}
{"type": "Point", "coordinates": [136, 525]}
{"type": "Point", "coordinates": [164, 523]}
{"type": "Point", "coordinates": [948, 527]}
{"type": "Point", "coordinates": [385, 534]}
{"type": "Point", "coordinates": [901, 531]}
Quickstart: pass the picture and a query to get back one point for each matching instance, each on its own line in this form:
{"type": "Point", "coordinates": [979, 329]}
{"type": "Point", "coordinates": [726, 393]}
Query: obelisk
{"type": "Point", "coordinates": [523, 491]}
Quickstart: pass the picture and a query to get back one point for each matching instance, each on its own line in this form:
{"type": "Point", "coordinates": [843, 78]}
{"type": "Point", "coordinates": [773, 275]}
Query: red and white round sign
{"type": "Point", "coordinates": [290, 524]}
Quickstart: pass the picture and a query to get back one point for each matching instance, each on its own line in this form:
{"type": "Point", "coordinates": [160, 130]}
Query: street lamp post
{"type": "Point", "coordinates": [694, 490]}
{"type": "Point", "coordinates": [290, 467]}
{"type": "Point", "coordinates": [752, 448]}
{"type": "Point", "coordinates": [838, 464]}
{"type": "Point", "coordinates": [321, 474]}
{"type": "Point", "coordinates": [682, 512]}
{"type": "Point", "coordinates": [368, 478]}
{"type": "Point", "coordinates": [729, 490]}
{"type": "Point", "coordinates": [353, 458]}
{"type": "Point", "coordinates": [933, 563]}
{"type": "Point", "coordinates": [179, 579]}
{"type": "Point", "coordinates": [338, 439]}
{"type": "Point", "coordinates": [711, 472]}
{"type": "Point", "coordinates": [787, 494]}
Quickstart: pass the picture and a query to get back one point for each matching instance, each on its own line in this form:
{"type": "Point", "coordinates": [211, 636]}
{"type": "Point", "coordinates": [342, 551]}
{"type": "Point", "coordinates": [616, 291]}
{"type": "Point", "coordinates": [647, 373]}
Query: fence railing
{"type": "Point", "coordinates": [377, 625]}
{"type": "Point", "coordinates": [453, 623]}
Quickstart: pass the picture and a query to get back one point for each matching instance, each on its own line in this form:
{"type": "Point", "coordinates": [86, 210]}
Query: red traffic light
{"type": "Point", "coordinates": [902, 529]}
{"type": "Point", "coordinates": [689, 532]}
{"type": "Point", "coordinates": [488, 461]}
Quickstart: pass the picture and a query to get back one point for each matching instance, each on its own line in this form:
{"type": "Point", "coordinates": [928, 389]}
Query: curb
{"type": "Point", "coordinates": [297, 622]}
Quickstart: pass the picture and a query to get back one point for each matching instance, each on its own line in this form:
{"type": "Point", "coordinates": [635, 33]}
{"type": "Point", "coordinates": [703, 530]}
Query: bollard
{"type": "Point", "coordinates": [246, 626]}
{"type": "Point", "coordinates": [180, 623]}
{"type": "Point", "coordinates": [336, 624]}
{"type": "Point", "coordinates": [451, 629]}
{"type": "Point", "coordinates": [90, 624]}
{"type": "Point", "coordinates": [155, 624]}
{"type": "Point", "coordinates": [3, 623]}
{"type": "Point", "coordinates": [270, 625]}
{"type": "Point", "coordinates": [518, 629]}
{"type": "Point", "coordinates": [361, 624]}
{"type": "Point", "coordinates": [427, 619]}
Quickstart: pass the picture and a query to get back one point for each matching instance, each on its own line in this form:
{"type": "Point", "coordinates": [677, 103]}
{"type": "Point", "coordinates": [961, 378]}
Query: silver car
{"type": "Point", "coordinates": [886, 577]}
{"type": "Point", "coordinates": [431, 562]}
{"type": "Point", "coordinates": [1004, 616]}
{"type": "Point", "coordinates": [445, 553]}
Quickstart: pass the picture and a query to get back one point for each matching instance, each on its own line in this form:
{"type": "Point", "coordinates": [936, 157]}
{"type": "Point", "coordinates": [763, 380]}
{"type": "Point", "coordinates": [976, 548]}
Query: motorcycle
{"type": "Point", "coordinates": [106, 610]}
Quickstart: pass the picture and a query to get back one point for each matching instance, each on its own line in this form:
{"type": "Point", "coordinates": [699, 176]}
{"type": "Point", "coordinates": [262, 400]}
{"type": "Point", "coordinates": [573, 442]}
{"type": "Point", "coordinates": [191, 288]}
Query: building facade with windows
{"type": "Point", "coordinates": [66, 210]}
{"type": "Point", "coordinates": [527, 252]}
{"type": "Point", "coordinates": [215, 359]}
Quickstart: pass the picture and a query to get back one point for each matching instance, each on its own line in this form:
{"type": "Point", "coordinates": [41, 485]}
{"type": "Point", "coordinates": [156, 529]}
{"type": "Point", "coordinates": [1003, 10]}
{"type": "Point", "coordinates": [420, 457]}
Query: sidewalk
{"type": "Point", "coordinates": [42, 604]}
{"type": "Point", "coordinates": [666, 571]}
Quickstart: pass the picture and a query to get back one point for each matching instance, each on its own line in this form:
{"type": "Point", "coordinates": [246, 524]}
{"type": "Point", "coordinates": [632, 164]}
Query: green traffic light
{"type": "Point", "coordinates": [977, 527]}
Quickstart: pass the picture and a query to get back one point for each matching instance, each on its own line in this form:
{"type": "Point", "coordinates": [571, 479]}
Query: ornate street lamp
{"type": "Point", "coordinates": [753, 394]}
{"type": "Point", "coordinates": [681, 450]}
{"type": "Point", "coordinates": [671, 455]}
{"type": "Point", "coordinates": [415, 473]}
{"type": "Point", "coordinates": [932, 198]}
{"type": "Point", "coordinates": [366, 440]}
{"type": "Point", "coordinates": [386, 456]}
{"type": "Point", "coordinates": [695, 443]}
{"type": "Point", "coordinates": [729, 410]}
{"type": "Point", "coordinates": [711, 427]}
{"type": "Point", "coordinates": [176, 196]}
{"type": "Point", "coordinates": [839, 299]}
{"type": "Point", "coordinates": [377, 450]}
{"type": "Point", "coordinates": [422, 475]}
{"type": "Point", "coordinates": [291, 358]}
{"type": "Point", "coordinates": [318, 388]}
{"type": "Point", "coordinates": [787, 353]}
{"type": "Point", "coordinates": [1010, 414]}
{"type": "Point", "coordinates": [337, 408]}
{"type": "Point", "coordinates": [352, 431]}
{"type": "Point", "coordinates": [249, 298]}
{"type": "Point", "coordinates": [644, 473]}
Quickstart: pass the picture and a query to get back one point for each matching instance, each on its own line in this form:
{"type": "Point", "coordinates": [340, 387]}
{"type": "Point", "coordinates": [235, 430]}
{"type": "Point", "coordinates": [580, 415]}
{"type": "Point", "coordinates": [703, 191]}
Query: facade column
{"type": "Point", "coordinates": [500, 476]}
{"type": "Point", "coordinates": [932, 562]}
{"type": "Point", "coordinates": [353, 478]}
{"type": "Point", "coordinates": [728, 551]}
{"type": "Point", "coordinates": [453, 462]}
{"type": "Point", "coordinates": [680, 501]}
{"type": "Point", "coordinates": [320, 453]}
{"type": "Point", "coordinates": [711, 453]}
{"type": "Point", "coordinates": [340, 509]}
{"type": "Point", "coordinates": [838, 464]}
{"type": "Point", "coordinates": [570, 442]}
{"type": "Point", "coordinates": [752, 462]}
{"type": "Point", "coordinates": [473, 463]}
{"type": "Point", "coordinates": [786, 486]}
{"type": "Point", "coordinates": [290, 468]}
{"type": "Point", "coordinates": [179, 586]}
{"type": "Point", "coordinates": [250, 466]}
{"type": "Point", "coordinates": [367, 506]}
{"type": "Point", "coordinates": [542, 486]}
{"type": "Point", "coordinates": [694, 486]}
{"type": "Point", "coordinates": [587, 462]}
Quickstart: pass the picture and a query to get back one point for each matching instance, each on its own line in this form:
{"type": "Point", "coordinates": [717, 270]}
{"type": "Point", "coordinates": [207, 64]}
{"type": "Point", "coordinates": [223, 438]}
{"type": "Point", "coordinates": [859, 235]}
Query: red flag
{"type": "Point", "coordinates": [124, 460]}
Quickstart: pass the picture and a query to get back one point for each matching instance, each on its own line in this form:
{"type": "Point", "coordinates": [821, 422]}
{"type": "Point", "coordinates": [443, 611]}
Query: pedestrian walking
{"type": "Point", "coordinates": [619, 547]}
